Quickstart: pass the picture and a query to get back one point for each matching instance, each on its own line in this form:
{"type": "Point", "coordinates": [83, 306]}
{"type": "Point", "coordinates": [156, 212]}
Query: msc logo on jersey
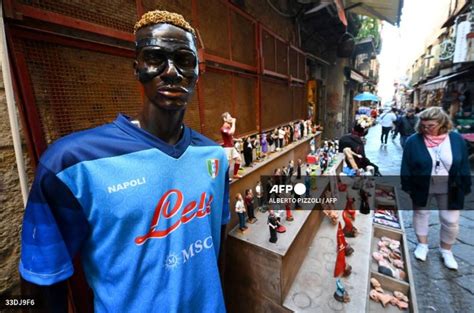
{"type": "Point", "coordinates": [213, 167]}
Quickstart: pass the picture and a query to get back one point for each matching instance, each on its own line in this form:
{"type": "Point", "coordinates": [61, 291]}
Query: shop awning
{"type": "Point", "coordinates": [387, 10]}
{"type": "Point", "coordinates": [452, 18]}
{"type": "Point", "coordinates": [441, 82]}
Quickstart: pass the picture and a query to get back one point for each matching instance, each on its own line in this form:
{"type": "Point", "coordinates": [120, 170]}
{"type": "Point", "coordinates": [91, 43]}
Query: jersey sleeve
{"type": "Point", "coordinates": [226, 204]}
{"type": "Point", "coordinates": [54, 227]}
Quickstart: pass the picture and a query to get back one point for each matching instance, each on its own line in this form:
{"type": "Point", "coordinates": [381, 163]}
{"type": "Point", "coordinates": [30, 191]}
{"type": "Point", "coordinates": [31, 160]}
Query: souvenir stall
{"type": "Point", "coordinates": [346, 251]}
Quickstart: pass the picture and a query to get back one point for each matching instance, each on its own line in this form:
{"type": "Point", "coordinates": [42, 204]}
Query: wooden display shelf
{"type": "Point", "coordinates": [251, 175]}
{"type": "Point", "coordinates": [258, 273]}
{"type": "Point", "coordinates": [390, 284]}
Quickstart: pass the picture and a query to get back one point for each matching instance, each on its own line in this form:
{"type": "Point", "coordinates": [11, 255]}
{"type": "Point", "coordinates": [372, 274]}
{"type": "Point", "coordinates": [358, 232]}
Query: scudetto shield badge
{"type": "Point", "coordinates": [213, 167]}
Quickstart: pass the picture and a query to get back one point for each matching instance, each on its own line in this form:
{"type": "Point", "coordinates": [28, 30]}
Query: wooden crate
{"type": "Point", "coordinates": [392, 204]}
{"type": "Point", "coordinates": [389, 285]}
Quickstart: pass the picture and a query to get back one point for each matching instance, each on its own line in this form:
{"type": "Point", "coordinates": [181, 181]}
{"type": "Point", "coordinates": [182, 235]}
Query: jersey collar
{"type": "Point", "coordinates": [174, 151]}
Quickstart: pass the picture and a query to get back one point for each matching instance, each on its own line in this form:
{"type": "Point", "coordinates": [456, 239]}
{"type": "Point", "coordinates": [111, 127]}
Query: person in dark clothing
{"type": "Point", "coordinates": [354, 142]}
{"type": "Point", "coordinates": [406, 126]}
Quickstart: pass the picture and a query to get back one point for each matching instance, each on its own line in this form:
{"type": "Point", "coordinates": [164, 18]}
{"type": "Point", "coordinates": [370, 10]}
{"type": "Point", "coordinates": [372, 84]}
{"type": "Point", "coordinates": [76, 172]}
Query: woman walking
{"type": "Point", "coordinates": [435, 165]}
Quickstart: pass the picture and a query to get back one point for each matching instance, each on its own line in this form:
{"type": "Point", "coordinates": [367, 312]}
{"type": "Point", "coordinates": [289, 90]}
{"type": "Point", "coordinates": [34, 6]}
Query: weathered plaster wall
{"type": "Point", "coordinates": [11, 205]}
{"type": "Point", "coordinates": [333, 126]}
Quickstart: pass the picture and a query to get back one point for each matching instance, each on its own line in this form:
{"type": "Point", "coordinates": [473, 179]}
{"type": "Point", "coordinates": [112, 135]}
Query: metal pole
{"type": "Point", "coordinates": [7, 81]}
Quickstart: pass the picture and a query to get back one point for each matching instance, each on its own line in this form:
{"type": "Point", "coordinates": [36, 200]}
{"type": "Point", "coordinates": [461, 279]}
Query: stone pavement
{"type": "Point", "coordinates": [438, 289]}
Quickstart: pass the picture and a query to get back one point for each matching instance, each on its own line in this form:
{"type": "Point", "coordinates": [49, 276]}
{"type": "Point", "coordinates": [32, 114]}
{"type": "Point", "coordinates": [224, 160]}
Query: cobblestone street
{"type": "Point", "coordinates": [438, 289]}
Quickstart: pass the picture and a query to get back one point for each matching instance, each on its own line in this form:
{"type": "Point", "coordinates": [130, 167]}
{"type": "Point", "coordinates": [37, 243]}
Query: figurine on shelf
{"type": "Point", "coordinates": [273, 140]}
{"type": "Point", "coordinates": [291, 168]}
{"type": "Point", "coordinates": [342, 268]}
{"type": "Point", "coordinates": [240, 210]}
{"type": "Point", "coordinates": [305, 129]}
{"type": "Point", "coordinates": [301, 129]}
{"type": "Point", "coordinates": [272, 226]}
{"type": "Point", "coordinates": [227, 132]}
{"type": "Point", "coordinates": [259, 194]}
{"type": "Point", "coordinates": [248, 151]}
{"type": "Point", "coordinates": [325, 146]}
{"type": "Point", "coordinates": [331, 214]}
{"type": "Point", "coordinates": [292, 132]}
{"type": "Point", "coordinates": [264, 145]}
{"type": "Point", "coordinates": [350, 207]}
{"type": "Point", "coordinates": [289, 216]}
{"type": "Point", "coordinates": [311, 128]}
{"type": "Point", "coordinates": [249, 202]}
{"type": "Point", "coordinates": [349, 229]}
{"type": "Point", "coordinates": [364, 202]}
{"type": "Point", "coordinates": [341, 294]}
{"type": "Point", "coordinates": [286, 136]}
{"type": "Point", "coordinates": [296, 128]}
{"type": "Point", "coordinates": [312, 146]}
{"type": "Point", "coordinates": [341, 240]}
{"type": "Point", "coordinates": [258, 148]}
{"type": "Point", "coordinates": [298, 169]}
{"type": "Point", "coordinates": [281, 138]}
{"type": "Point", "coordinates": [323, 162]}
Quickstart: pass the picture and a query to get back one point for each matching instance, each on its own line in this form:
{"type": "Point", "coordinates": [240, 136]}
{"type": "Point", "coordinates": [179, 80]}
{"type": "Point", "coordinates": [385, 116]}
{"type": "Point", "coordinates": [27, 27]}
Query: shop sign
{"type": "Point", "coordinates": [460, 52]}
{"type": "Point", "coordinates": [357, 77]}
{"type": "Point", "coordinates": [446, 49]}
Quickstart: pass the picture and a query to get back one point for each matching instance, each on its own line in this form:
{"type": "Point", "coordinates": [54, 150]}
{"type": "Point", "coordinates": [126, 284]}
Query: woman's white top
{"type": "Point", "coordinates": [442, 159]}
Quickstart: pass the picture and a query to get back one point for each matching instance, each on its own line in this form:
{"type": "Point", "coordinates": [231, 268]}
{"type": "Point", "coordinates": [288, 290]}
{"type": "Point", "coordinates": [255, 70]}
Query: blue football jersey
{"type": "Point", "coordinates": [144, 215]}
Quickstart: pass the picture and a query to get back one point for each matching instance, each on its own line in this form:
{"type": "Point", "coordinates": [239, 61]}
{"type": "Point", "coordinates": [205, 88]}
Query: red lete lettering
{"type": "Point", "coordinates": [166, 209]}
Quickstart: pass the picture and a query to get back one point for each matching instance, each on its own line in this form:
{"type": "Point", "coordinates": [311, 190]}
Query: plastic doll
{"type": "Point", "coordinates": [264, 145]}
{"type": "Point", "coordinates": [248, 151]}
{"type": "Point", "coordinates": [259, 194]}
{"type": "Point", "coordinates": [341, 240]}
{"type": "Point", "coordinates": [272, 226]}
{"type": "Point", "coordinates": [249, 203]}
{"type": "Point", "coordinates": [298, 169]}
{"type": "Point", "coordinates": [240, 210]}
{"type": "Point", "coordinates": [291, 168]}
{"type": "Point", "coordinates": [281, 138]}
{"type": "Point", "coordinates": [258, 147]}
{"type": "Point", "coordinates": [349, 229]}
{"type": "Point", "coordinates": [341, 294]}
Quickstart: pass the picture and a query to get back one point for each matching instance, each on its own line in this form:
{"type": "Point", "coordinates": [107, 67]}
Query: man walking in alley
{"type": "Point", "coordinates": [386, 121]}
{"type": "Point", "coordinates": [406, 126]}
{"type": "Point", "coordinates": [143, 201]}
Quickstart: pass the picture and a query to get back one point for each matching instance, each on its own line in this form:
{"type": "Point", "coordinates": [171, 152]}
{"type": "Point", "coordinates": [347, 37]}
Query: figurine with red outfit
{"type": "Point", "coordinates": [349, 209]}
{"type": "Point", "coordinates": [341, 268]}
{"type": "Point", "coordinates": [249, 200]}
{"type": "Point", "coordinates": [227, 132]}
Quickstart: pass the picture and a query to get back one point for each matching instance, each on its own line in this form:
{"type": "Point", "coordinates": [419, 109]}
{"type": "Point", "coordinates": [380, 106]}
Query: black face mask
{"type": "Point", "coordinates": [157, 60]}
